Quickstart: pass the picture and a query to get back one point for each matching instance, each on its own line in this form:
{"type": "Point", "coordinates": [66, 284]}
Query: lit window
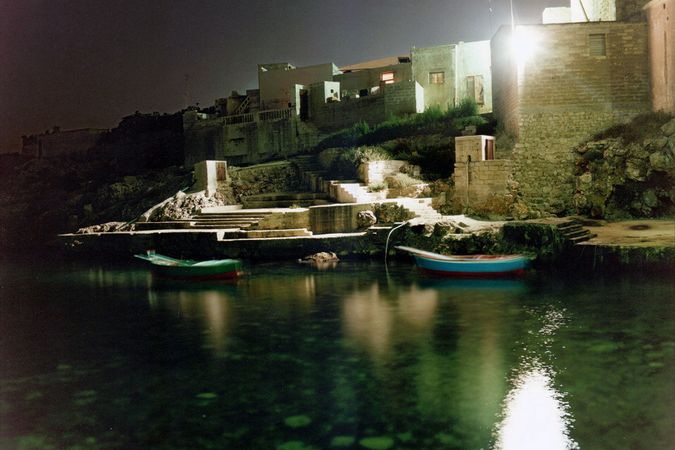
{"type": "Point", "coordinates": [436, 77]}
{"type": "Point", "coordinates": [387, 77]}
{"type": "Point", "coordinates": [597, 44]}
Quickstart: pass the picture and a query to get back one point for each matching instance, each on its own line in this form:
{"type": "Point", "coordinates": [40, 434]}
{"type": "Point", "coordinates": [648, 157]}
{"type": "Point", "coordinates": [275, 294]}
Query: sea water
{"type": "Point", "coordinates": [356, 355]}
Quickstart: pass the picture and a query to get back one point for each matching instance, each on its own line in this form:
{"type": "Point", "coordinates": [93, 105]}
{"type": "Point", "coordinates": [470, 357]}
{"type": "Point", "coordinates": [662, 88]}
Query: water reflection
{"type": "Point", "coordinates": [211, 307]}
{"type": "Point", "coordinates": [535, 414]}
{"type": "Point", "coordinates": [369, 316]}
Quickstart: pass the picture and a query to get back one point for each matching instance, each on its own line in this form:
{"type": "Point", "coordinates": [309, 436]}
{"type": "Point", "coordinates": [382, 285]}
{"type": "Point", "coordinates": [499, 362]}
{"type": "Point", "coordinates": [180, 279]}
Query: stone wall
{"type": "Point", "coordinates": [336, 218]}
{"type": "Point", "coordinates": [395, 100]}
{"type": "Point", "coordinates": [246, 143]}
{"type": "Point", "coordinates": [483, 186]}
{"type": "Point", "coordinates": [564, 96]}
{"type": "Point", "coordinates": [60, 143]}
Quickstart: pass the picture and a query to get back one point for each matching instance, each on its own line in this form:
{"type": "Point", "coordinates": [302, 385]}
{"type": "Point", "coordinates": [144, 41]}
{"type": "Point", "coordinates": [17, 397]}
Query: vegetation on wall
{"type": "Point", "coordinates": [425, 139]}
{"type": "Point", "coordinates": [628, 170]}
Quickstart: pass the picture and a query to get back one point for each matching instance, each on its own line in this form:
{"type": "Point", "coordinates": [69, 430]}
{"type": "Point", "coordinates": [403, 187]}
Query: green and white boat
{"type": "Point", "coordinates": [188, 269]}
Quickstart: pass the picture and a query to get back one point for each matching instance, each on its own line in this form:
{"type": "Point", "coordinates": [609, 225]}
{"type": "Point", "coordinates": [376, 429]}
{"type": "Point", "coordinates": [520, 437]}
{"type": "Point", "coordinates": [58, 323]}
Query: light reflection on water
{"type": "Point", "coordinates": [424, 362]}
{"type": "Point", "coordinates": [535, 414]}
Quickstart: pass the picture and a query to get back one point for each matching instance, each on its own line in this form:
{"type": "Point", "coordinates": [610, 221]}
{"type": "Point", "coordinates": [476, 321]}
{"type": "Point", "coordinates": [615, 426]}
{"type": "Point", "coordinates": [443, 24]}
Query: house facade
{"type": "Point", "coordinates": [295, 107]}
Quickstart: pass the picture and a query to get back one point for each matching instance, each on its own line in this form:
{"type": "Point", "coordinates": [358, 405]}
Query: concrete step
{"type": "Point", "coordinates": [288, 196]}
{"type": "Point", "coordinates": [164, 225]}
{"type": "Point", "coordinates": [291, 232]}
{"type": "Point", "coordinates": [584, 238]}
{"type": "Point", "coordinates": [261, 234]}
{"type": "Point", "coordinates": [283, 203]}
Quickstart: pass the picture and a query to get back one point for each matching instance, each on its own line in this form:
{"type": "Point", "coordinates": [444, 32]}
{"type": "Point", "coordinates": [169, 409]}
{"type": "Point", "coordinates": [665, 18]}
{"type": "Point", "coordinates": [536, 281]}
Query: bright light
{"type": "Point", "coordinates": [535, 416]}
{"type": "Point", "coordinates": [524, 45]}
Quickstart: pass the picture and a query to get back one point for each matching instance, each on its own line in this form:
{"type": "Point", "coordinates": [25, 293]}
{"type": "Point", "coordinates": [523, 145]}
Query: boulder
{"type": "Point", "coordinates": [661, 161]}
{"type": "Point", "coordinates": [668, 128]}
{"type": "Point", "coordinates": [366, 219]}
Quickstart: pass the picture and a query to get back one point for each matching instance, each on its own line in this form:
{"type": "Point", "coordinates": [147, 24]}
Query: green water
{"type": "Point", "coordinates": [292, 357]}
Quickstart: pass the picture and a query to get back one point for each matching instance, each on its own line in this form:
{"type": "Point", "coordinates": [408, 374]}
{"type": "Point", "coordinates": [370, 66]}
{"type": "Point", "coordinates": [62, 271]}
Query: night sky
{"type": "Point", "coordinates": [88, 63]}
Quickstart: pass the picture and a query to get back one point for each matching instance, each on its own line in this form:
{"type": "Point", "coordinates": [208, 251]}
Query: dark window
{"type": "Point", "coordinates": [597, 44]}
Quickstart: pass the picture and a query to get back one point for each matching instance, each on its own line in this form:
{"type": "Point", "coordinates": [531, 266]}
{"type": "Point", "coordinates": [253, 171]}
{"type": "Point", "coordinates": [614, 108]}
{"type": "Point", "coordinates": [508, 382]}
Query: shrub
{"type": "Point", "coordinates": [377, 187]}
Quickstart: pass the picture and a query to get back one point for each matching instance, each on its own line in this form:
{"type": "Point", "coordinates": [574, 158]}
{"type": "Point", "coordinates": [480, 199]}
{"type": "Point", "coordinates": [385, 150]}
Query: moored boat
{"type": "Point", "coordinates": [188, 269]}
{"type": "Point", "coordinates": [468, 265]}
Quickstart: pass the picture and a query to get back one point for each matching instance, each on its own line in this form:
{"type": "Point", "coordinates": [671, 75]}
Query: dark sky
{"type": "Point", "coordinates": [88, 63]}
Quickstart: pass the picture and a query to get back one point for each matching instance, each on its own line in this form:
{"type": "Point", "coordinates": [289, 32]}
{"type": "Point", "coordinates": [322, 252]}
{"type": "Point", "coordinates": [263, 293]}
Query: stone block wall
{"type": "Point", "coordinates": [336, 218]}
{"type": "Point", "coordinates": [564, 95]}
{"type": "Point", "coordinates": [483, 186]}
{"type": "Point", "coordinates": [396, 99]}
{"type": "Point", "coordinates": [402, 98]}
{"type": "Point", "coordinates": [248, 142]}
{"type": "Point", "coordinates": [342, 114]}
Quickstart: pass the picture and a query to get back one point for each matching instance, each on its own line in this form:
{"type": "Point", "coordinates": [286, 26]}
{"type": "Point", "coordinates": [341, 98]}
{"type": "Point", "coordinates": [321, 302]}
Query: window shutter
{"type": "Point", "coordinates": [597, 44]}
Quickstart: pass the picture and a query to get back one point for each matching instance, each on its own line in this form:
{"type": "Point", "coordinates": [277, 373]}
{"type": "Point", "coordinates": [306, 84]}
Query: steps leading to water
{"type": "Point", "coordinates": [574, 232]}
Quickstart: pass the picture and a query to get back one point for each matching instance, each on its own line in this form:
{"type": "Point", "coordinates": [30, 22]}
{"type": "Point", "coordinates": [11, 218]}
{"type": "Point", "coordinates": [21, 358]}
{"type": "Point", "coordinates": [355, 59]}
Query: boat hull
{"type": "Point", "coordinates": [178, 269]}
{"type": "Point", "coordinates": [471, 265]}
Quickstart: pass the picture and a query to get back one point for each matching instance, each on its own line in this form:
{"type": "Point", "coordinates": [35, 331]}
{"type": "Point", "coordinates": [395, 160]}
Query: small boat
{"type": "Point", "coordinates": [187, 269]}
{"type": "Point", "coordinates": [469, 265]}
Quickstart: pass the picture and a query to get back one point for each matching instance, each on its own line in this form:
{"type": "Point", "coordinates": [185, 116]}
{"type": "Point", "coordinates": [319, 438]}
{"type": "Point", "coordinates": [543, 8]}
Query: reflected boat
{"type": "Point", "coordinates": [513, 285]}
{"type": "Point", "coordinates": [190, 270]}
{"type": "Point", "coordinates": [468, 265]}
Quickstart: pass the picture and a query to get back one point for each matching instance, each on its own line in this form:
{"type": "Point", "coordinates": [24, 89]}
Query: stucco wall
{"type": "Point", "coordinates": [661, 19]}
{"type": "Point", "coordinates": [277, 84]}
{"type": "Point", "coordinates": [473, 59]}
{"type": "Point", "coordinates": [354, 81]}
{"type": "Point", "coordinates": [592, 10]}
{"type": "Point", "coordinates": [565, 95]}
{"type": "Point", "coordinates": [435, 59]}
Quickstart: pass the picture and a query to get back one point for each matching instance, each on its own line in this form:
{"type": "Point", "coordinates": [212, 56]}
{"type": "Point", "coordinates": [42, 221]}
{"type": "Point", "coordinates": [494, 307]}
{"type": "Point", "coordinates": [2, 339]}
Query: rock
{"type": "Point", "coordinates": [650, 199]}
{"type": "Point", "coordinates": [586, 178]}
{"type": "Point", "coordinates": [297, 421]}
{"type": "Point", "coordinates": [366, 219]}
{"type": "Point", "coordinates": [519, 210]}
{"type": "Point", "coordinates": [668, 128]}
{"type": "Point", "coordinates": [661, 161]}
{"type": "Point", "coordinates": [655, 144]}
{"type": "Point", "coordinates": [635, 170]}
{"type": "Point", "coordinates": [320, 257]}
{"type": "Point", "coordinates": [342, 441]}
{"type": "Point", "coordinates": [377, 443]}
{"type": "Point", "coordinates": [101, 228]}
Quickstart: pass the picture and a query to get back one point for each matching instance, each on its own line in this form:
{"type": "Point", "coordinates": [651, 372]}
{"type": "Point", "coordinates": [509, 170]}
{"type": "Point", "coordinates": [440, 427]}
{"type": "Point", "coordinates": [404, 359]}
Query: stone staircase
{"type": "Point", "coordinates": [421, 207]}
{"type": "Point", "coordinates": [574, 232]}
{"type": "Point", "coordinates": [233, 219]}
{"type": "Point", "coordinates": [285, 200]}
{"type": "Point", "coordinates": [311, 172]}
